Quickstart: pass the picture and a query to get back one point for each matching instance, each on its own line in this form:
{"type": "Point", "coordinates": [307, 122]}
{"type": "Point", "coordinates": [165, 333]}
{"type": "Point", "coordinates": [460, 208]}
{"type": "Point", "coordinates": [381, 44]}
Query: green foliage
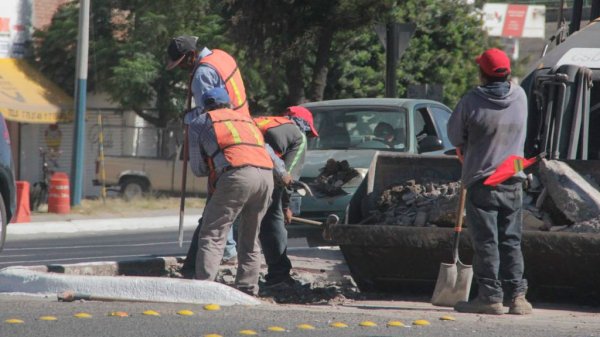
{"type": "Point", "coordinates": [289, 51]}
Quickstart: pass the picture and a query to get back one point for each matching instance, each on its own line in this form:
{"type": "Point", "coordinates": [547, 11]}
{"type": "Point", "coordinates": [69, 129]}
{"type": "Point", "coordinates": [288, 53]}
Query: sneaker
{"type": "Point", "coordinates": [232, 261]}
{"type": "Point", "coordinates": [480, 306]}
{"type": "Point", "coordinates": [520, 306]}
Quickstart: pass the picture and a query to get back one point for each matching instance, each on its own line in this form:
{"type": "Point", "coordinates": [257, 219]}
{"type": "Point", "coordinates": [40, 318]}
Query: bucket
{"type": "Point", "coordinates": [58, 196]}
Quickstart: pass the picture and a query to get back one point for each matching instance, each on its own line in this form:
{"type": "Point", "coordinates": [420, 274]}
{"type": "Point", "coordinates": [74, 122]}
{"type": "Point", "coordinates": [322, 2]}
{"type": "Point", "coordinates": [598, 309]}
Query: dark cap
{"type": "Point", "coordinates": [178, 48]}
{"type": "Point", "coordinates": [494, 63]}
{"type": "Point", "coordinates": [215, 97]}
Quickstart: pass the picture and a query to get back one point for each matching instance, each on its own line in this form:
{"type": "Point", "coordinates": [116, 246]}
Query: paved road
{"type": "Point", "coordinates": [229, 321]}
{"type": "Point", "coordinates": [105, 246]}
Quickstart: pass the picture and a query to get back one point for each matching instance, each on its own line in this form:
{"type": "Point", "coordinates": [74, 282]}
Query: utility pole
{"type": "Point", "coordinates": [394, 37]}
{"type": "Point", "coordinates": [78, 161]}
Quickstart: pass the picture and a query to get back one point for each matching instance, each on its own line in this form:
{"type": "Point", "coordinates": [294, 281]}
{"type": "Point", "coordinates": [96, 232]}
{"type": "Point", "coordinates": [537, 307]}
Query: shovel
{"type": "Point", "coordinates": [454, 279]}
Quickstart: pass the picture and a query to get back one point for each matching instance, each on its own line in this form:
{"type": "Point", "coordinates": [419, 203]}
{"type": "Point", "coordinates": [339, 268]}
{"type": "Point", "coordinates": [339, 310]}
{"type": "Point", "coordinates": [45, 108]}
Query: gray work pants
{"type": "Point", "coordinates": [244, 191]}
{"type": "Point", "coordinates": [495, 224]}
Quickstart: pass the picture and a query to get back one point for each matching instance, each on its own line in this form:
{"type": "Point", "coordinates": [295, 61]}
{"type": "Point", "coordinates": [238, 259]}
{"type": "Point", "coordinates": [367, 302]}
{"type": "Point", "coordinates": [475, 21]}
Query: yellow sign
{"type": "Point", "coordinates": [27, 96]}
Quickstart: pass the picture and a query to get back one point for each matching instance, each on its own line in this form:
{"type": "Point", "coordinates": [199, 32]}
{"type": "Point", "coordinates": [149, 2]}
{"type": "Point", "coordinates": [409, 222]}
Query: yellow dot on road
{"type": "Point", "coordinates": [305, 327]}
{"type": "Point", "coordinates": [338, 325]}
{"type": "Point", "coordinates": [14, 321]}
{"type": "Point", "coordinates": [367, 324]}
{"type": "Point", "coordinates": [151, 313]}
{"type": "Point", "coordinates": [395, 324]}
{"type": "Point", "coordinates": [48, 318]}
{"type": "Point", "coordinates": [421, 322]}
{"type": "Point", "coordinates": [447, 318]}
{"type": "Point", "coordinates": [213, 335]}
{"type": "Point", "coordinates": [82, 315]}
{"type": "Point", "coordinates": [276, 329]}
{"type": "Point", "coordinates": [119, 314]}
{"type": "Point", "coordinates": [212, 307]}
{"type": "Point", "coordinates": [185, 312]}
{"type": "Point", "coordinates": [248, 332]}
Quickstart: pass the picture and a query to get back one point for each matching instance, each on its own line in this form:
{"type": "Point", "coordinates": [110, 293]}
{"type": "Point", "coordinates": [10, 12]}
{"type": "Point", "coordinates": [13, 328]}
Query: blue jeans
{"type": "Point", "coordinates": [273, 240]}
{"type": "Point", "coordinates": [495, 223]}
{"type": "Point", "coordinates": [230, 247]}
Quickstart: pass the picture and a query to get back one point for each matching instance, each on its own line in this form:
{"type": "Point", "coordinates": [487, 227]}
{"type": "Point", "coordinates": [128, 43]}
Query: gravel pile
{"type": "Point", "coordinates": [414, 204]}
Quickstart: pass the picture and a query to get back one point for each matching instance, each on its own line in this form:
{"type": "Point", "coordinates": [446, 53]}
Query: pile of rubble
{"type": "Point", "coordinates": [333, 176]}
{"type": "Point", "coordinates": [565, 200]}
{"type": "Point", "coordinates": [418, 204]}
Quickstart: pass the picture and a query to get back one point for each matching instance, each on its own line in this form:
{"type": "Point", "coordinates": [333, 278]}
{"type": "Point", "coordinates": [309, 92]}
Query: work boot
{"type": "Point", "coordinates": [480, 306]}
{"type": "Point", "coordinates": [520, 306]}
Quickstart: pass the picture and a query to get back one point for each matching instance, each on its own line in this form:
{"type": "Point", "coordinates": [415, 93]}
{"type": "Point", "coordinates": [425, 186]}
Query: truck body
{"type": "Point", "coordinates": [134, 176]}
{"type": "Point", "coordinates": [397, 258]}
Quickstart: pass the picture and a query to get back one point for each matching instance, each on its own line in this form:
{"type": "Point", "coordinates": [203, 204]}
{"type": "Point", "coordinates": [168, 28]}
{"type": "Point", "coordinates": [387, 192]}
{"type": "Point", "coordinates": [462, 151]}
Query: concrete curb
{"type": "Point", "coordinates": [100, 280]}
{"type": "Point", "coordinates": [138, 280]}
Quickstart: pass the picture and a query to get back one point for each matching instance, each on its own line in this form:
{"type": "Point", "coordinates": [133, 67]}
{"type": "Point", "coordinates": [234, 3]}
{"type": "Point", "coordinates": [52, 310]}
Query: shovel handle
{"type": "Point", "coordinates": [459, 222]}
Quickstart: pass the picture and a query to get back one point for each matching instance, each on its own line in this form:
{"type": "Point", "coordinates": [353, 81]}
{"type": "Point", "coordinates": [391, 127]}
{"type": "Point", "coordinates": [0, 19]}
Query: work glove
{"type": "Point", "coordinates": [287, 215]}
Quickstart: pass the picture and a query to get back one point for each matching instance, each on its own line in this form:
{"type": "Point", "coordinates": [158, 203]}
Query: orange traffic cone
{"type": "Point", "coordinates": [22, 213]}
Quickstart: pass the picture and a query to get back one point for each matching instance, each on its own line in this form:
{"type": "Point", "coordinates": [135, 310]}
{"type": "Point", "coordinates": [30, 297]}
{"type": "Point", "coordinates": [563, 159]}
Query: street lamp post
{"type": "Point", "coordinates": [78, 161]}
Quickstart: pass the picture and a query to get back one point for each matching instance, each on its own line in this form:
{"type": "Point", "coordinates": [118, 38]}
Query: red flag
{"type": "Point", "coordinates": [509, 167]}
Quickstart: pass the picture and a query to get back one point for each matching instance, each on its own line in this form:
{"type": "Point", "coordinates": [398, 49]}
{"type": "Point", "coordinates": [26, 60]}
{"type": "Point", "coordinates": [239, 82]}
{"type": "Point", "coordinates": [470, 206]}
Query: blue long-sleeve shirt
{"type": "Point", "coordinates": [203, 141]}
{"type": "Point", "coordinates": [204, 79]}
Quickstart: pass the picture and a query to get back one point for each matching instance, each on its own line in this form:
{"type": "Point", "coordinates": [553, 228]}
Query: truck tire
{"type": "Point", "coordinates": [133, 187]}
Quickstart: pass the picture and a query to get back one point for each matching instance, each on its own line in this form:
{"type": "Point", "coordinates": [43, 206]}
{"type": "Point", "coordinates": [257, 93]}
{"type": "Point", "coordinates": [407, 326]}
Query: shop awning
{"type": "Point", "coordinates": [27, 96]}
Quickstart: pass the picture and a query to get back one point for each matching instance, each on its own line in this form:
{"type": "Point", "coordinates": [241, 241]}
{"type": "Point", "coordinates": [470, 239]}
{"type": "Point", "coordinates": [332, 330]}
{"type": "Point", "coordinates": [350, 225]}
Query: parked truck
{"type": "Point", "coordinates": [135, 176]}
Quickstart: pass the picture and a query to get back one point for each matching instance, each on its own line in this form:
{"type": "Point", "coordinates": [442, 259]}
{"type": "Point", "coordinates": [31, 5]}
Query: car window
{"type": "Point", "coordinates": [360, 128]}
{"type": "Point", "coordinates": [441, 116]}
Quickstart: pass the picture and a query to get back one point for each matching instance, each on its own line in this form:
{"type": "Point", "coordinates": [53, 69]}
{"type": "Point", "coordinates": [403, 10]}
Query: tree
{"type": "Point", "coordinates": [293, 40]}
{"type": "Point", "coordinates": [128, 40]}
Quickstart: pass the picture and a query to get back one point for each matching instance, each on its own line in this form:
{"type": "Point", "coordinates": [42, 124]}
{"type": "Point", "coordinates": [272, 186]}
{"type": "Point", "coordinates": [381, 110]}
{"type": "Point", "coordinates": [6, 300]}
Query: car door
{"type": "Point", "coordinates": [430, 129]}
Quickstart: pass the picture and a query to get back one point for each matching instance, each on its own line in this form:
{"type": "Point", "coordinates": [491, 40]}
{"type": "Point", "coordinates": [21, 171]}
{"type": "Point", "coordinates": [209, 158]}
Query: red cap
{"type": "Point", "coordinates": [494, 62]}
{"type": "Point", "coordinates": [304, 113]}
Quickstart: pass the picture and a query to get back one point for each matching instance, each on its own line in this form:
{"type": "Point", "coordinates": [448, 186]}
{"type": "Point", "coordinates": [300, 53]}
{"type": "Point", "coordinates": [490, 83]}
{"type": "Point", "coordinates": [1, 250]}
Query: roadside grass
{"type": "Point", "coordinates": [115, 205]}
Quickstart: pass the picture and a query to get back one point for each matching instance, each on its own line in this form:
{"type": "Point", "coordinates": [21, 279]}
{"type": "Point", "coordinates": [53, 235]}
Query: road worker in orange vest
{"type": "Point", "coordinates": [287, 136]}
{"type": "Point", "coordinates": [208, 69]}
{"type": "Point", "coordinates": [228, 147]}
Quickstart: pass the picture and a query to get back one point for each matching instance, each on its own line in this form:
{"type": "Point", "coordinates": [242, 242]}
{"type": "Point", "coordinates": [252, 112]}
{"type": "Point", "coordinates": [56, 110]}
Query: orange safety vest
{"type": "Point", "coordinates": [269, 122]}
{"type": "Point", "coordinates": [228, 70]}
{"type": "Point", "coordinates": [239, 139]}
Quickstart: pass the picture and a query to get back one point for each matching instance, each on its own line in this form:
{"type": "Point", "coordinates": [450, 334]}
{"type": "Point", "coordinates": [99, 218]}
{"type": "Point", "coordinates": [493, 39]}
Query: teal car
{"type": "Point", "coordinates": [354, 130]}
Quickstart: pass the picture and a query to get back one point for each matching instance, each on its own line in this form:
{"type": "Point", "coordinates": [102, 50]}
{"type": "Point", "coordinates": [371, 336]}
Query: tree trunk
{"type": "Point", "coordinates": [295, 82]}
{"type": "Point", "coordinates": [321, 67]}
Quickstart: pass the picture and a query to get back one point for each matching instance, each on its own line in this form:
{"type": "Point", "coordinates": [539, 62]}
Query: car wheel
{"type": "Point", "coordinates": [4, 223]}
{"type": "Point", "coordinates": [132, 188]}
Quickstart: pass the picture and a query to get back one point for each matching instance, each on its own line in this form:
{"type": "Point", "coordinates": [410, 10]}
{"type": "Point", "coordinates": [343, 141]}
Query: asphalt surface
{"type": "Point", "coordinates": [105, 246]}
{"type": "Point", "coordinates": [294, 319]}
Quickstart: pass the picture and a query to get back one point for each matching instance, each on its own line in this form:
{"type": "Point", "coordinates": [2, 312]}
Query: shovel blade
{"type": "Point", "coordinates": [453, 284]}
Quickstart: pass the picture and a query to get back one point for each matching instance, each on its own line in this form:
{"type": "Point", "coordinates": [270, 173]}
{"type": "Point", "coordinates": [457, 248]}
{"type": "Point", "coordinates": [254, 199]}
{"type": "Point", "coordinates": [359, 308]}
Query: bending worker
{"type": "Point", "coordinates": [208, 69]}
{"type": "Point", "coordinates": [287, 136]}
{"type": "Point", "coordinates": [229, 146]}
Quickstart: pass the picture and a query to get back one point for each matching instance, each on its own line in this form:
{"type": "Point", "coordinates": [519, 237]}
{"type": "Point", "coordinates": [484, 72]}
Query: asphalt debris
{"type": "Point", "coordinates": [333, 176]}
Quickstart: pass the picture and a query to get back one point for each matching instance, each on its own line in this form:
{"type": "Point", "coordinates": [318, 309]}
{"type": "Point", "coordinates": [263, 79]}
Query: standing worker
{"type": "Point", "coordinates": [287, 136]}
{"type": "Point", "coordinates": [229, 146]}
{"type": "Point", "coordinates": [487, 126]}
{"type": "Point", "coordinates": [208, 69]}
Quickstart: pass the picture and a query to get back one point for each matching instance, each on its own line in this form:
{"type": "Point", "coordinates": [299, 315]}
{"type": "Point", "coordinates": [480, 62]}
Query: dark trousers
{"type": "Point", "coordinates": [495, 223]}
{"type": "Point", "coordinates": [273, 240]}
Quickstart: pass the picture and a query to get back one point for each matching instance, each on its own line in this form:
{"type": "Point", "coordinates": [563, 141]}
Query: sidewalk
{"type": "Point", "coordinates": [46, 223]}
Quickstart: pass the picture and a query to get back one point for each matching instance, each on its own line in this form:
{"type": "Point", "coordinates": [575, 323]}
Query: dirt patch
{"type": "Point", "coordinates": [307, 288]}
{"type": "Point", "coordinates": [116, 206]}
